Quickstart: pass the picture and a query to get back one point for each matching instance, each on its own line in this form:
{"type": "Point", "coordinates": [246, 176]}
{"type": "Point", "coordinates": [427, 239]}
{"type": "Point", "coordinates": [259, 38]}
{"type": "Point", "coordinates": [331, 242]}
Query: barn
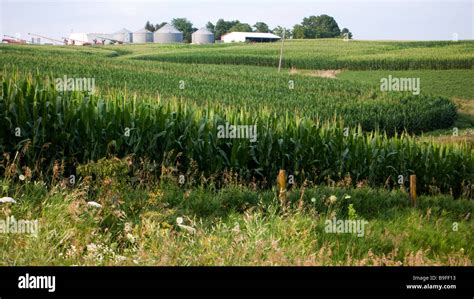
{"type": "Point", "coordinates": [79, 38]}
{"type": "Point", "coordinates": [253, 37]}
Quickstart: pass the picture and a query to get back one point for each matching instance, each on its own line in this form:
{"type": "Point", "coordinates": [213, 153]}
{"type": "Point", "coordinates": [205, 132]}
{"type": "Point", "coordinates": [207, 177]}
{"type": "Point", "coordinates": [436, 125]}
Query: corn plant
{"type": "Point", "coordinates": [78, 128]}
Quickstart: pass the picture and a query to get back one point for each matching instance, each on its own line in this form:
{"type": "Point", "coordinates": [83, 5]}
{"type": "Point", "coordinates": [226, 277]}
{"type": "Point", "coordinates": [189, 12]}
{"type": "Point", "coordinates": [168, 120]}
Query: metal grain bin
{"type": "Point", "coordinates": [142, 36]}
{"type": "Point", "coordinates": [168, 35]}
{"type": "Point", "coordinates": [203, 36]}
{"type": "Point", "coordinates": [124, 35]}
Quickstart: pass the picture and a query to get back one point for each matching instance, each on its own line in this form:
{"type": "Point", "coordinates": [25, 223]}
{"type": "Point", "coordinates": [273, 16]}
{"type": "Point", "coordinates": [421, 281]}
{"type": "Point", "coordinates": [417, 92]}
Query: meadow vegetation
{"type": "Point", "coordinates": [234, 225]}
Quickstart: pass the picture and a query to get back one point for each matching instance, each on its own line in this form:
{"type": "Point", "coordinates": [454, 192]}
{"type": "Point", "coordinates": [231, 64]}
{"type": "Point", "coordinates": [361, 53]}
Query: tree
{"type": "Point", "coordinates": [211, 27]}
{"type": "Point", "coordinates": [322, 26]}
{"type": "Point", "coordinates": [261, 27]}
{"type": "Point", "coordinates": [222, 27]}
{"type": "Point", "coordinates": [149, 26]}
{"type": "Point", "coordinates": [241, 27]}
{"type": "Point", "coordinates": [279, 31]}
{"type": "Point", "coordinates": [185, 26]}
{"type": "Point", "coordinates": [158, 26]}
{"type": "Point", "coordinates": [298, 31]}
{"type": "Point", "coordinates": [345, 33]}
{"type": "Point", "coordinates": [310, 25]}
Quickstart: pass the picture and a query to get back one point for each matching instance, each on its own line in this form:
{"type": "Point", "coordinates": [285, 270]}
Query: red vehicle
{"type": "Point", "coordinates": [12, 40]}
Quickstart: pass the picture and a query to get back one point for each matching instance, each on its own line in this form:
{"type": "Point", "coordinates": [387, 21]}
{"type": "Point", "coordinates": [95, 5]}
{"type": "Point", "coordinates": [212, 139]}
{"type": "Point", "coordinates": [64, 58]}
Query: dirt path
{"type": "Point", "coordinates": [317, 73]}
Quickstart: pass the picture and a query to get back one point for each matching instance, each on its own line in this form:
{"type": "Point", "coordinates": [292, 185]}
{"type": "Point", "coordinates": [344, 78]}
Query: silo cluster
{"type": "Point", "coordinates": [168, 34]}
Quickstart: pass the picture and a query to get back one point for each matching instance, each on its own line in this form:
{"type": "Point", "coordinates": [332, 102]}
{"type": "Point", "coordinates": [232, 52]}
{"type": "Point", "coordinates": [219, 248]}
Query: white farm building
{"type": "Point", "coordinates": [256, 37]}
{"type": "Point", "coordinates": [80, 39]}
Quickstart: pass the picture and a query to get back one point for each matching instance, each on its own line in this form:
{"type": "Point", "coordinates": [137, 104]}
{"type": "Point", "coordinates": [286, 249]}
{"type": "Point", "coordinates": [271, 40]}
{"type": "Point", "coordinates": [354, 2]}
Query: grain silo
{"type": "Point", "coordinates": [142, 36]}
{"type": "Point", "coordinates": [167, 35]}
{"type": "Point", "coordinates": [124, 35]}
{"type": "Point", "coordinates": [203, 36]}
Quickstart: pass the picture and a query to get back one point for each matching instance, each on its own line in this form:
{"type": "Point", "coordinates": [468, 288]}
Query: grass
{"type": "Point", "coordinates": [233, 226]}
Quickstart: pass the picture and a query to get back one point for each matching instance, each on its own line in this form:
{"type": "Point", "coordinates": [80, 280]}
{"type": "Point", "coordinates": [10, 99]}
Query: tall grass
{"type": "Point", "coordinates": [233, 226]}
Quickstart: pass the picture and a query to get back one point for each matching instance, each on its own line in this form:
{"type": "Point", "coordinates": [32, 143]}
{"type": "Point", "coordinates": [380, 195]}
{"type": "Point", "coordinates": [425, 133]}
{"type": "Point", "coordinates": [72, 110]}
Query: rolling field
{"type": "Point", "coordinates": [256, 88]}
{"type": "Point", "coordinates": [324, 54]}
{"type": "Point", "coordinates": [145, 146]}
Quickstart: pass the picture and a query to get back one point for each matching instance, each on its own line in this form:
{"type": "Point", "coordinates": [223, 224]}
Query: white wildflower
{"type": "Point", "coordinates": [7, 199]}
{"type": "Point", "coordinates": [236, 228]}
{"type": "Point", "coordinates": [94, 204]}
{"type": "Point", "coordinates": [189, 229]}
{"type": "Point", "coordinates": [91, 248]}
{"type": "Point", "coordinates": [130, 238]}
{"type": "Point", "coordinates": [120, 258]}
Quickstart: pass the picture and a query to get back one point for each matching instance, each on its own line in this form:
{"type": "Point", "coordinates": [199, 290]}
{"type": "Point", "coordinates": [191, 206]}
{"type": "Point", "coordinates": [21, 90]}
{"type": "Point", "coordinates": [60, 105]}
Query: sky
{"type": "Point", "coordinates": [366, 19]}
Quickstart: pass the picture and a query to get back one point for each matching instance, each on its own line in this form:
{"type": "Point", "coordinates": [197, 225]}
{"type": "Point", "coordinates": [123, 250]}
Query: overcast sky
{"type": "Point", "coordinates": [367, 19]}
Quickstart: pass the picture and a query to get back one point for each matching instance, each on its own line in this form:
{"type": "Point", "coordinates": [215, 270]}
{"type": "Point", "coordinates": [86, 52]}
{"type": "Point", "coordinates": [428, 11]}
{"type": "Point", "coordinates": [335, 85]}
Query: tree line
{"type": "Point", "coordinates": [312, 27]}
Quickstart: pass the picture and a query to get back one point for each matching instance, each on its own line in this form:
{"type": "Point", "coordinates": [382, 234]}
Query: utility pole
{"type": "Point", "coordinates": [281, 50]}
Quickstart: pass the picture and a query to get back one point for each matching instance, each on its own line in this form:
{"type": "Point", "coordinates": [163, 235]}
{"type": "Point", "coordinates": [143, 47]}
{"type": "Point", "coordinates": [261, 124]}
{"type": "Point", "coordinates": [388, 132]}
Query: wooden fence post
{"type": "Point", "coordinates": [413, 190]}
{"type": "Point", "coordinates": [282, 187]}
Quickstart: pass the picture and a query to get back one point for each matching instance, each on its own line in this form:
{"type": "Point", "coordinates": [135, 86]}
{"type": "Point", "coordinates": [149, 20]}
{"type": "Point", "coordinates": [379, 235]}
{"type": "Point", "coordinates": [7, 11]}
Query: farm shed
{"type": "Point", "coordinates": [142, 36]}
{"type": "Point", "coordinates": [124, 35]}
{"type": "Point", "coordinates": [168, 34]}
{"type": "Point", "coordinates": [203, 36]}
{"type": "Point", "coordinates": [88, 38]}
{"type": "Point", "coordinates": [257, 37]}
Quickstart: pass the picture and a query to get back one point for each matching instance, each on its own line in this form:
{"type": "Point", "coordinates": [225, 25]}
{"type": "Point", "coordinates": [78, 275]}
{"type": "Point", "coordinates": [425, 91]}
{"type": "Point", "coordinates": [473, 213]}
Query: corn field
{"type": "Point", "coordinates": [77, 128]}
{"type": "Point", "coordinates": [330, 54]}
{"type": "Point", "coordinates": [257, 89]}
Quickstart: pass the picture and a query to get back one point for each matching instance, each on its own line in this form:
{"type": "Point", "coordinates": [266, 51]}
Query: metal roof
{"type": "Point", "coordinates": [143, 30]}
{"type": "Point", "coordinates": [253, 34]}
{"type": "Point", "coordinates": [123, 30]}
{"type": "Point", "coordinates": [167, 28]}
{"type": "Point", "coordinates": [203, 31]}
